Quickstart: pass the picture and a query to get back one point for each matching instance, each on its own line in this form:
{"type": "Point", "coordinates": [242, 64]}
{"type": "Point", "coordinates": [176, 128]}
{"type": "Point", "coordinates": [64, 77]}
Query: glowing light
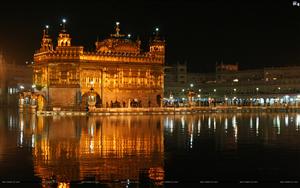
{"type": "Point", "coordinates": [278, 124]}
{"type": "Point", "coordinates": [171, 125]}
{"type": "Point", "coordinates": [234, 125]}
{"type": "Point", "coordinates": [32, 140]}
{"type": "Point", "coordinates": [182, 122]}
{"type": "Point", "coordinates": [117, 23]}
{"type": "Point", "coordinates": [295, 3]}
{"type": "Point", "coordinates": [192, 85]}
{"type": "Point", "coordinates": [215, 123]}
{"type": "Point", "coordinates": [298, 121]}
{"type": "Point", "coordinates": [257, 125]}
{"type": "Point", "coordinates": [215, 90]}
{"type": "Point", "coordinates": [235, 80]}
{"type": "Point", "coordinates": [199, 126]}
{"type": "Point", "coordinates": [234, 89]}
{"type": "Point", "coordinates": [129, 35]}
{"type": "Point", "coordinates": [157, 29]}
{"type": "Point", "coordinates": [286, 120]}
{"type": "Point", "coordinates": [64, 20]}
{"type": "Point", "coordinates": [47, 26]}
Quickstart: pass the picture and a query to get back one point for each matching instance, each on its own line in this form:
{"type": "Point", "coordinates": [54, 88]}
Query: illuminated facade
{"type": "Point", "coordinates": [118, 70]}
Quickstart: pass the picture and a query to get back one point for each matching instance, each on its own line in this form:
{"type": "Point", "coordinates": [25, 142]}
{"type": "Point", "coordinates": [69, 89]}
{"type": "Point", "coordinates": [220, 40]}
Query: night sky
{"type": "Point", "coordinates": [254, 34]}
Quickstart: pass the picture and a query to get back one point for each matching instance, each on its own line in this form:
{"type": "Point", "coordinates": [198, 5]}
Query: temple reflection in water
{"type": "Point", "coordinates": [153, 148]}
{"type": "Point", "coordinates": [104, 149]}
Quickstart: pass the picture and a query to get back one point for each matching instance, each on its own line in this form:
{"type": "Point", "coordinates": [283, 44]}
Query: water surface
{"type": "Point", "coordinates": [150, 150]}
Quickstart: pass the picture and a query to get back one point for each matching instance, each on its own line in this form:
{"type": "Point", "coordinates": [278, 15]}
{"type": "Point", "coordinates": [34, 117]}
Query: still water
{"type": "Point", "coordinates": [150, 150]}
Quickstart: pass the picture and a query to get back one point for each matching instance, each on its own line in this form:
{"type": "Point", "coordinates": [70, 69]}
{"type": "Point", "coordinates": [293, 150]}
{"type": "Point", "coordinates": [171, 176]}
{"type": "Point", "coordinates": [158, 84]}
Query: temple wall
{"type": "Point", "coordinates": [63, 97]}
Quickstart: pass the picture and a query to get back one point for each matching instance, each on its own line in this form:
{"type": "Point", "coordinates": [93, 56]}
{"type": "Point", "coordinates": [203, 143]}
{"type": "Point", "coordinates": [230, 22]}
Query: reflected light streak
{"type": "Point", "coordinates": [297, 122]}
{"type": "Point", "coordinates": [199, 126]}
{"type": "Point", "coordinates": [286, 120]}
{"type": "Point", "coordinates": [182, 122]}
{"type": "Point", "coordinates": [171, 125]}
{"type": "Point", "coordinates": [257, 125]}
{"type": "Point", "coordinates": [32, 141]}
{"type": "Point", "coordinates": [92, 146]}
{"type": "Point", "coordinates": [226, 124]}
{"type": "Point", "coordinates": [234, 125]}
{"type": "Point", "coordinates": [215, 123]}
{"type": "Point", "coordinates": [278, 124]}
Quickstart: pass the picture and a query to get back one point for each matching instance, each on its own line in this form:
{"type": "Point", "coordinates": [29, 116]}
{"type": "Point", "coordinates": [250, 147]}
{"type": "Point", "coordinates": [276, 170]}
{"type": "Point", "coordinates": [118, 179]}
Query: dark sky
{"type": "Point", "coordinates": [254, 34]}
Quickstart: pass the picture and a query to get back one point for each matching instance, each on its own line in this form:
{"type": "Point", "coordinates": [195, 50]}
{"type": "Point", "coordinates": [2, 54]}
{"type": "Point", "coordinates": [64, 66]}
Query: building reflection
{"type": "Point", "coordinates": [101, 149]}
{"type": "Point", "coordinates": [230, 132]}
{"type": "Point", "coordinates": [118, 148]}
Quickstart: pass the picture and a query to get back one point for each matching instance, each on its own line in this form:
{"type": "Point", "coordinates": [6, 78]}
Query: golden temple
{"type": "Point", "coordinates": [119, 72]}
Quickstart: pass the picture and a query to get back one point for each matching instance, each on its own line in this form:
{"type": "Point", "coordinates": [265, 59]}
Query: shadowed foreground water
{"type": "Point", "coordinates": [149, 151]}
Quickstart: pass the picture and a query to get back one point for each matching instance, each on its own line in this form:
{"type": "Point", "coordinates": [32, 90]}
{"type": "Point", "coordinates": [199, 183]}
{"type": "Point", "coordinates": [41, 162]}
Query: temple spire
{"type": "Point", "coordinates": [63, 25]}
{"type": "Point", "coordinates": [156, 33]}
{"type": "Point", "coordinates": [46, 43]}
{"type": "Point", "coordinates": [117, 34]}
{"type": "Point", "coordinates": [46, 31]}
{"type": "Point", "coordinates": [64, 38]}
